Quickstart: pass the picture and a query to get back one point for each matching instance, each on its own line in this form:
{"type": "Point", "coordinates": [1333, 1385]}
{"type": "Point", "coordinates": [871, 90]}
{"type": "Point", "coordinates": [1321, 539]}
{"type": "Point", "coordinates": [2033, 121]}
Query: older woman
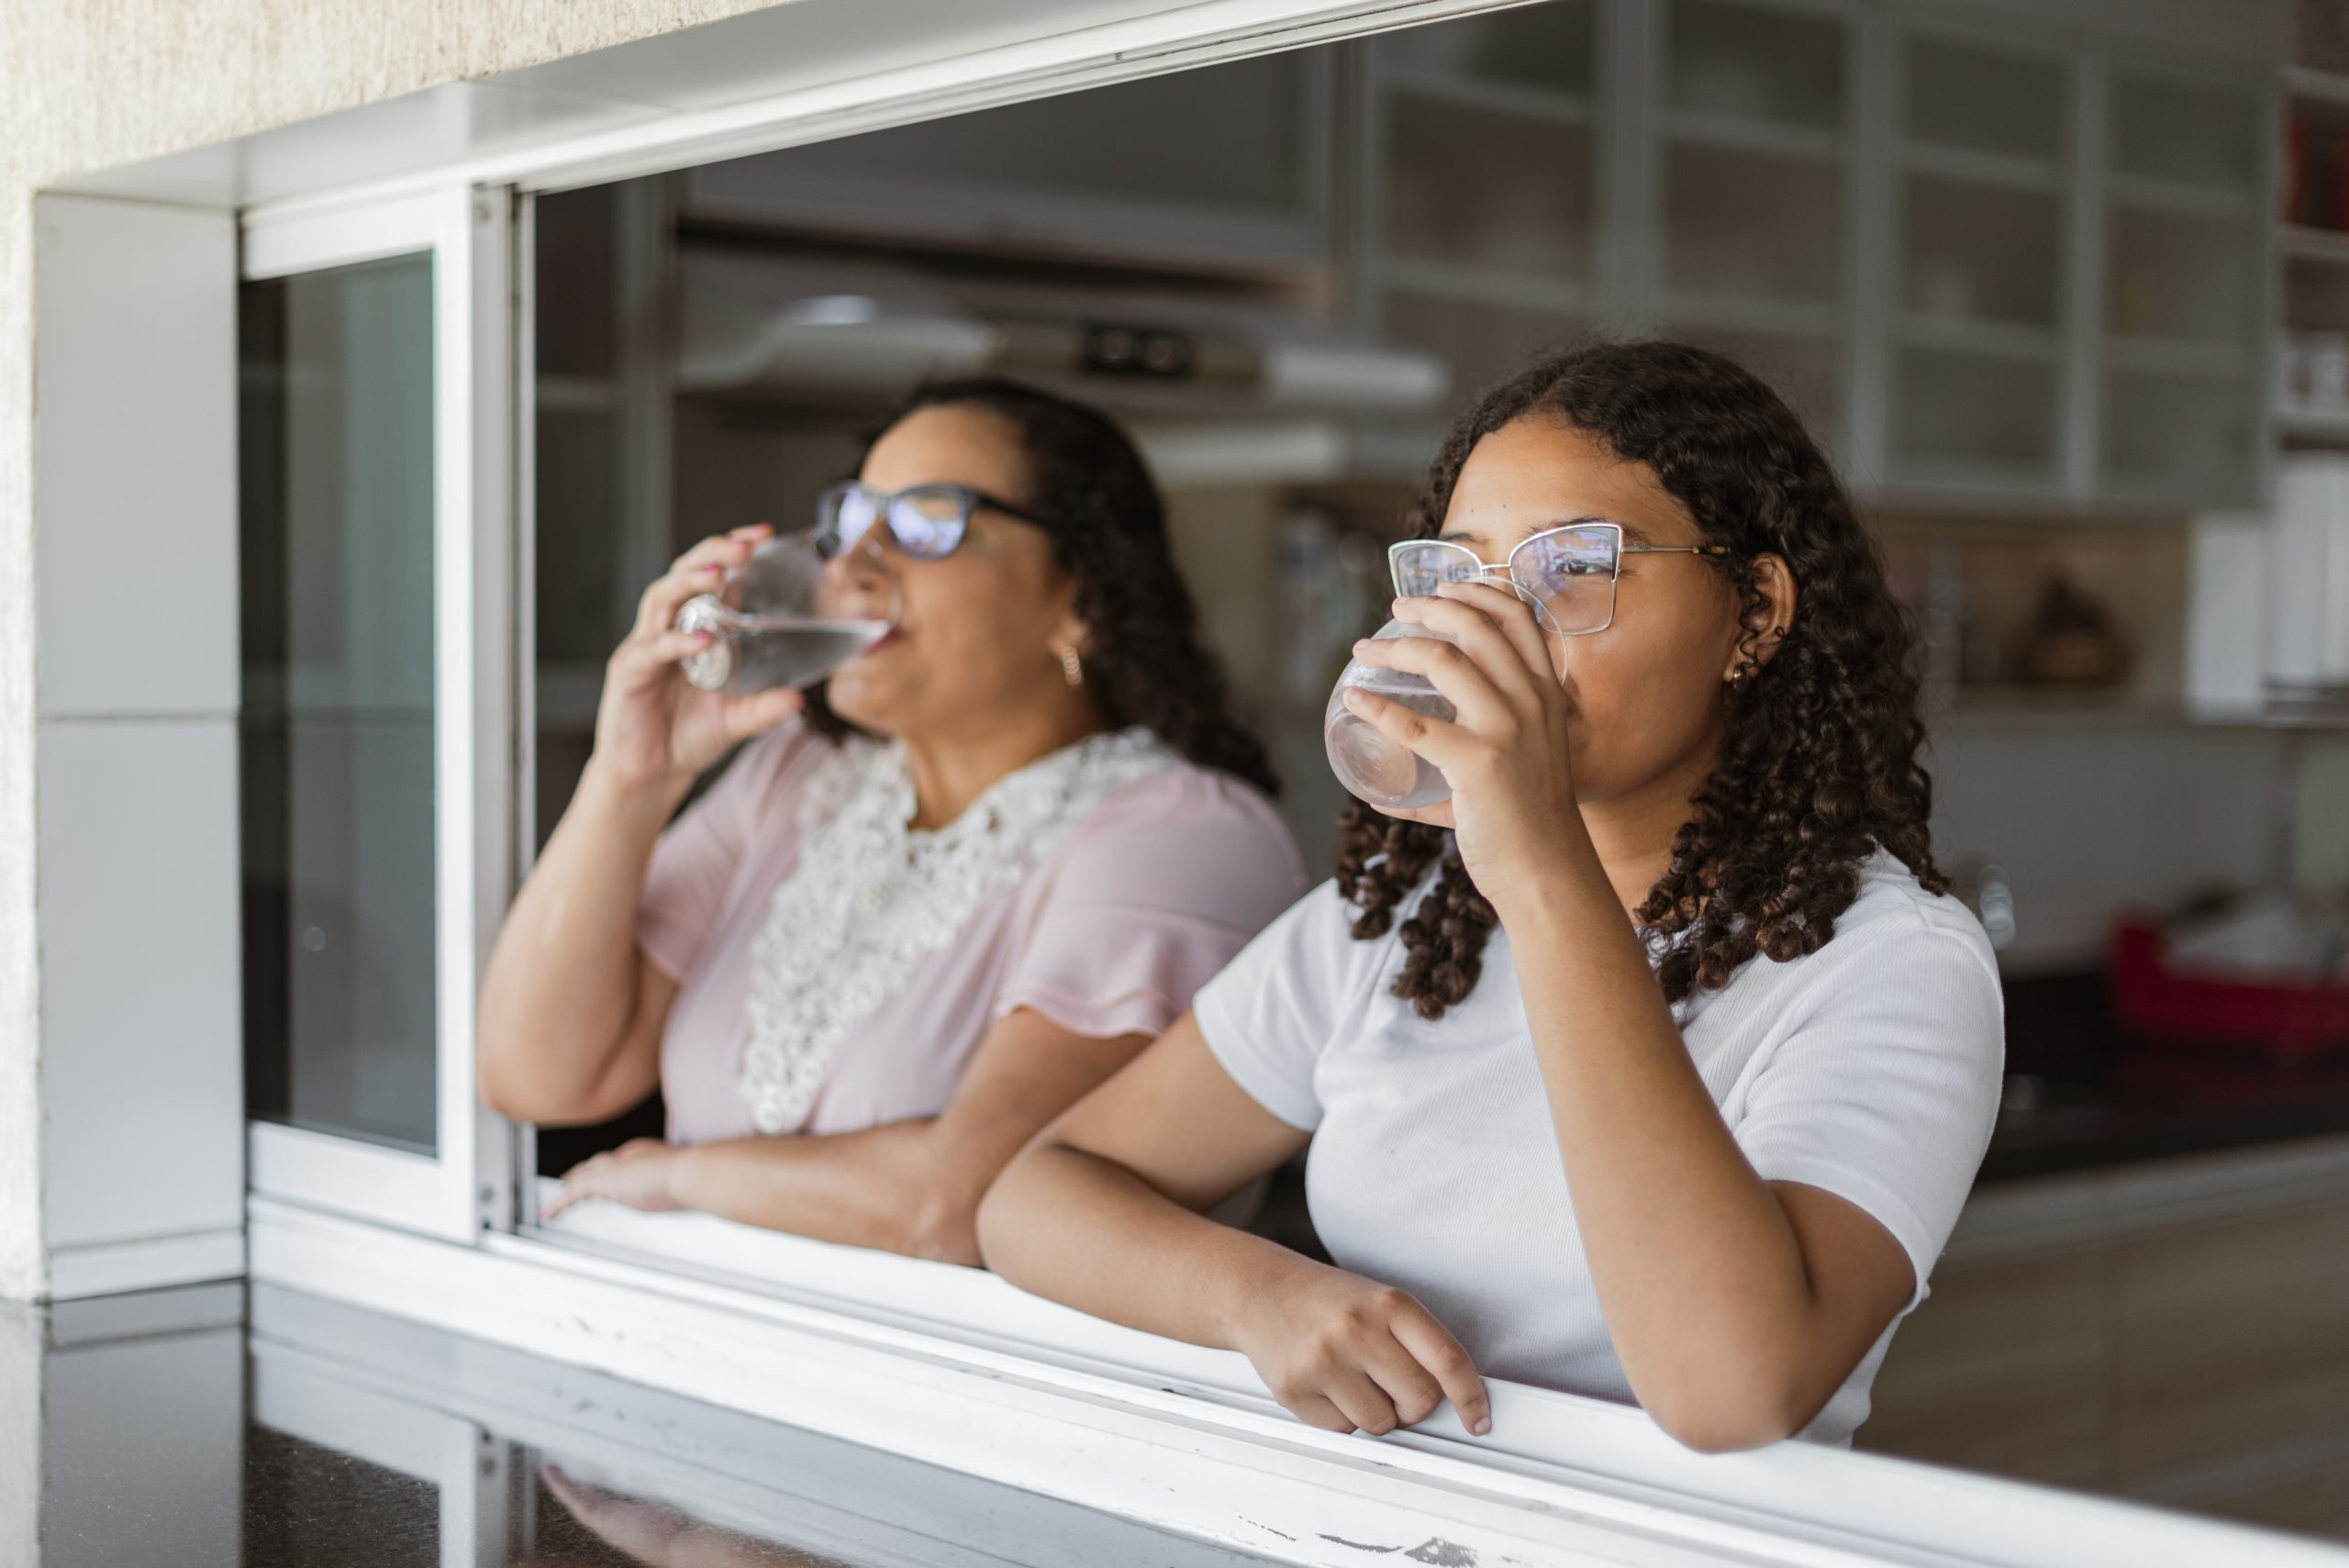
{"type": "Point", "coordinates": [930, 904]}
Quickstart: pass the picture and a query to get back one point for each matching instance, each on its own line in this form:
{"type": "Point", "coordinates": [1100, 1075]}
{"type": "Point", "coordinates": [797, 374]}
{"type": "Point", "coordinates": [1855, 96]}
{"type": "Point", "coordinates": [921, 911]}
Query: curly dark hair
{"type": "Point", "coordinates": [1819, 748]}
{"type": "Point", "coordinates": [1108, 524]}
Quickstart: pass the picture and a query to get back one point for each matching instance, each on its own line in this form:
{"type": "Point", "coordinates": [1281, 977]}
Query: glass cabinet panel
{"type": "Point", "coordinates": [1982, 418]}
{"type": "Point", "coordinates": [1481, 191]}
{"type": "Point", "coordinates": [2178, 276]}
{"type": "Point", "coordinates": [1961, 95]}
{"type": "Point", "coordinates": [1488, 187]}
{"type": "Point", "coordinates": [1971, 251]}
{"type": "Point", "coordinates": [1545, 48]}
{"type": "Point", "coordinates": [2189, 132]}
{"type": "Point", "coordinates": [1983, 187]}
{"type": "Point", "coordinates": [1757, 63]}
{"type": "Point", "coordinates": [336, 724]}
{"type": "Point", "coordinates": [2180, 435]}
{"type": "Point", "coordinates": [1752, 226]}
{"type": "Point", "coordinates": [2186, 243]}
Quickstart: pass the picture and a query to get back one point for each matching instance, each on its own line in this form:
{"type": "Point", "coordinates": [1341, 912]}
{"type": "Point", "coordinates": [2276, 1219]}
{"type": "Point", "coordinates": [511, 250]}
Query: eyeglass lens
{"type": "Point", "coordinates": [927, 521]}
{"type": "Point", "coordinates": [1567, 574]}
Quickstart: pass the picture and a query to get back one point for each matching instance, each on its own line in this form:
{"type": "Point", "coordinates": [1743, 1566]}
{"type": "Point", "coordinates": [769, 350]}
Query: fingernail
{"type": "Point", "coordinates": [1484, 1425]}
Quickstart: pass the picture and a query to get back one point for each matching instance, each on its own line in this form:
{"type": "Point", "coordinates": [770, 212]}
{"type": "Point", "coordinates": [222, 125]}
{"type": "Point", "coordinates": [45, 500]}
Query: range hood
{"type": "Point", "coordinates": [751, 323]}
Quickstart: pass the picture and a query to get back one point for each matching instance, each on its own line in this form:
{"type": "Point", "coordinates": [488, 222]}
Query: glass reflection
{"type": "Point", "coordinates": [197, 1428]}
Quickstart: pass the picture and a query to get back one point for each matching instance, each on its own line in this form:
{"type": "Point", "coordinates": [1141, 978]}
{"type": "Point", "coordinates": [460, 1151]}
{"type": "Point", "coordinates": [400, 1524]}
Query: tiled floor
{"type": "Point", "coordinates": [205, 1427]}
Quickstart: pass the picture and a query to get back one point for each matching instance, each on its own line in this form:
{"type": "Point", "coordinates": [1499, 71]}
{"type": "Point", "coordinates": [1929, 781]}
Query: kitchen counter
{"type": "Point", "coordinates": [2082, 1095]}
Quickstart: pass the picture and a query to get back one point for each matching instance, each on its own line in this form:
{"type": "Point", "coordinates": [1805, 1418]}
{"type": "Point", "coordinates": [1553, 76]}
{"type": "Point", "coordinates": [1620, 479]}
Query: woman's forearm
{"type": "Point", "coordinates": [886, 1187]}
{"type": "Point", "coordinates": [1698, 1268]}
{"type": "Point", "coordinates": [560, 991]}
{"type": "Point", "coordinates": [1085, 1230]}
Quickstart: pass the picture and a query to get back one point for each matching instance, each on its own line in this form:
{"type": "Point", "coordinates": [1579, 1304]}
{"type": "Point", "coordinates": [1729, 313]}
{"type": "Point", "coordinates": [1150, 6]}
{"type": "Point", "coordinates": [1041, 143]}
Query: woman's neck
{"type": "Point", "coordinates": [1633, 833]}
{"type": "Point", "coordinates": [950, 771]}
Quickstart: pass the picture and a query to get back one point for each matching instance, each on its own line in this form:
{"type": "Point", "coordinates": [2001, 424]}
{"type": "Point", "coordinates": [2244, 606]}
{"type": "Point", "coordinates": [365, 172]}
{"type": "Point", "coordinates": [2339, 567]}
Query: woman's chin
{"type": "Point", "coordinates": [862, 701]}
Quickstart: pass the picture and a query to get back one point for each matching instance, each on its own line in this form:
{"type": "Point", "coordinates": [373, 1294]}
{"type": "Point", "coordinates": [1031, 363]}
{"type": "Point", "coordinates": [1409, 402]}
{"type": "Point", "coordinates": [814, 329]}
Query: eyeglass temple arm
{"type": "Point", "coordinates": [1676, 550]}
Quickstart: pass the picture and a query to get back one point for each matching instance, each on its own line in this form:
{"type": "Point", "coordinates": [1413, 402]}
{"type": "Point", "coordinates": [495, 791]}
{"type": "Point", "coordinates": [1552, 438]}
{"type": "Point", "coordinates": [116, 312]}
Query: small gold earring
{"type": "Point", "coordinates": [1071, 667]}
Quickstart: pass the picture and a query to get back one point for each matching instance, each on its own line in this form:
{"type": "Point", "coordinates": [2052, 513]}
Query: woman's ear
{"type": "Point", "coordinates": [1070, 631]}
{"type": "Point", "coordinates": [1767, 624]}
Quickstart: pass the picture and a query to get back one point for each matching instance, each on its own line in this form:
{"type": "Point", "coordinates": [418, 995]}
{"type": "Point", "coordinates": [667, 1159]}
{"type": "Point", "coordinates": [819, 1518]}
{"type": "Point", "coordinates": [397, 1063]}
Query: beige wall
{"type": "Point", "coordinates": [85, 84]}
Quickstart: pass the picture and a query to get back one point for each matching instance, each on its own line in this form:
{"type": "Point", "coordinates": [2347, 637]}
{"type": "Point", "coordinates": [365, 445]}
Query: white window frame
{"type": "Point", "coordinates": [468, 232]}
{"type": "Point", "coordinates": [951, 1366]}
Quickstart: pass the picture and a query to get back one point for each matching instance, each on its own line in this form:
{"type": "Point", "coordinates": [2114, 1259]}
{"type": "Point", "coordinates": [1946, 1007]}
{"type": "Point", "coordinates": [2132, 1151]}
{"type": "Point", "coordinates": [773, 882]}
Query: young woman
{"type": "Point", "coordinates": [991, 860]}
{"type": "Point", "coordinates": [1656, 1062]}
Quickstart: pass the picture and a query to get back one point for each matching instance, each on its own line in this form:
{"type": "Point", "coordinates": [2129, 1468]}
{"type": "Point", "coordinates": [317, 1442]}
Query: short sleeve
{"type": "Point", "coordinates": [1886, 1093]}
{"type": "Point", "coordinates": [695, 861]}
{"type": "Point", "coordinates": [1145, 906]}
{"type": "Point", "coordinates": [1269, 1016]}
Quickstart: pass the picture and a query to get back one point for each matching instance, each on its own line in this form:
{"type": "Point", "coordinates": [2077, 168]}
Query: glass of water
{"type": "Point", "coordinates": [1383, 772]}
{"type": "Point", "coordinates": [788, 617]}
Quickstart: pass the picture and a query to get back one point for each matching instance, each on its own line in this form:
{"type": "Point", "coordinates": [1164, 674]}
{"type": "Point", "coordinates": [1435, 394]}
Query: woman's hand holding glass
{"type": "Point", "coordinates": [1346, 1354]}
{"type": "Point", "coordinates": [653, 727]}
{"type": "Point", "coordinates": [1513, 807]}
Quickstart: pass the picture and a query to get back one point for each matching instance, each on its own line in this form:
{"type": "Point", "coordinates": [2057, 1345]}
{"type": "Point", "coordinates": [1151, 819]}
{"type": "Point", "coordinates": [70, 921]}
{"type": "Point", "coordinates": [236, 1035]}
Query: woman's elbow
{"type": "Point", "coordinates": [513, 1093]}
{"type": "Point", "coordinates": [996, 1221]}
{"type": "Point", "coordinates": [1729, 1420]}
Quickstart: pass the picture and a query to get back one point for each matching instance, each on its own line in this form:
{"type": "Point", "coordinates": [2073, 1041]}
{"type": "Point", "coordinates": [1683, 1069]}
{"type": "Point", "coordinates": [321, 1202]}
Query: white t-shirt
{"type": "Point", "coordinates": [1870, 1069]}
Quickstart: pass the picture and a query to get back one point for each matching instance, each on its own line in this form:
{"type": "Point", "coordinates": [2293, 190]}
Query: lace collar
{"type": "Point", "coordinates": [871, 898]}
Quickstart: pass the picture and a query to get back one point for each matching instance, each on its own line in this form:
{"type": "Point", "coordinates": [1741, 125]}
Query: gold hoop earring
{"type": "Point", "coordinates": [1071, 667]}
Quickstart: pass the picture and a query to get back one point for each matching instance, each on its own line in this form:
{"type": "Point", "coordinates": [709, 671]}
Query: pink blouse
{"type": "Point", "coordinates": [1107, 933]}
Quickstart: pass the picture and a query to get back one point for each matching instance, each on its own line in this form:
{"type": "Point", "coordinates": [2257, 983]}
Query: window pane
{"type": "Point", "coordinates": [337, 480]}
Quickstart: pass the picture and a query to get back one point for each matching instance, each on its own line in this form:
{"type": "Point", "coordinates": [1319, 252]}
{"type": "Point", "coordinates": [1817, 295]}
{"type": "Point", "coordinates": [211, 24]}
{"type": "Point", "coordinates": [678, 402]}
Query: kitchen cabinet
{"type": "Point", "coordinates": [2186, 296]}
{"type": "Point", "coordinates": [1983, 183]}
{"type": "Point", "coordinates": [1478, 200]}
{"type": "Point", "coordinates": [1983, 264]}
{"type": "Point", "coordinates": [2200, 1365]}
{"type": "Point", "coordinates": [1223, 169]}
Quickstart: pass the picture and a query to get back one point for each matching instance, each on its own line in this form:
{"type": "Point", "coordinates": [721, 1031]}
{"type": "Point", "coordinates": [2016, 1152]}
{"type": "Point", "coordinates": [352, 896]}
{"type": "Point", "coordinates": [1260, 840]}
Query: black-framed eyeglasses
{"type": "Point", "coordinates": [928, 521]}
{"type": "Point", "coordinates": [1567, 574]}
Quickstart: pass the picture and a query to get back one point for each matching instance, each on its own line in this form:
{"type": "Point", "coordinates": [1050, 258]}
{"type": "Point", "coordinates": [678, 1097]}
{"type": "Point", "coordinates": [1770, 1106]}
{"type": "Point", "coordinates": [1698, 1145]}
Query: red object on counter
{"type": "Point", "coordinates": [2296, 168]}
{"type": "Point", "coordinates": [2151, 998]}
{"type": "Point", "coordinates": [2336, 213]}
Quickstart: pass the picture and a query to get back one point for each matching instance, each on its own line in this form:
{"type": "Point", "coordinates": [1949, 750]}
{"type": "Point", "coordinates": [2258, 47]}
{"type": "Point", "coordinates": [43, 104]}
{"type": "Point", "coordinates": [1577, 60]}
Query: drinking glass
{"type": "Point", "coordinates": [787, 616]}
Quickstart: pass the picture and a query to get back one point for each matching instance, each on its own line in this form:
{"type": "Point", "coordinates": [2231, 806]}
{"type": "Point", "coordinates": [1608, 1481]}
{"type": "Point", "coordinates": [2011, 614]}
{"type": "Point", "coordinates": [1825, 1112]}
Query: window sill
{"type": "Point", "coordinates": [956, 1368]}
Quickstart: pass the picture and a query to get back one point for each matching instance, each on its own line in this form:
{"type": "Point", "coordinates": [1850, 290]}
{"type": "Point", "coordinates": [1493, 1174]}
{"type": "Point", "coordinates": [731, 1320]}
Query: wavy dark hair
{"type": "Point", "coordinates": [1818, 750]}
{"type": "Point", "coordinates": [1107, 527]}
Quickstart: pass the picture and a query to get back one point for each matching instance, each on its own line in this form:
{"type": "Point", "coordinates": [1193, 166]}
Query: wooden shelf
{"type": "Point", "coordinates": [2174, 357]}
{"type": "Point", "coordinates": [1991, 478]}
{"type": "Point", "coordinates": [1480, 283]}
{"type": "Point", "coordinates": [2177, 198]}
{"type": "Point", "coordinates": [1558, 107]}
{"type": "Point", "coordinates": [2000, 171]}
{"type": "Point", "coordinates": [2316, 86]}
{"type": "Point", "coordinates": [1983, 340]}
{"type": "Point", "coordinates": [1744, 133]}
{"type": "Point", "coordinates": [1758, 315]}
{"type": "Point", "coordinates": [2297, 422]}
{"type": "Point", "coordinates": [2303, 242]}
